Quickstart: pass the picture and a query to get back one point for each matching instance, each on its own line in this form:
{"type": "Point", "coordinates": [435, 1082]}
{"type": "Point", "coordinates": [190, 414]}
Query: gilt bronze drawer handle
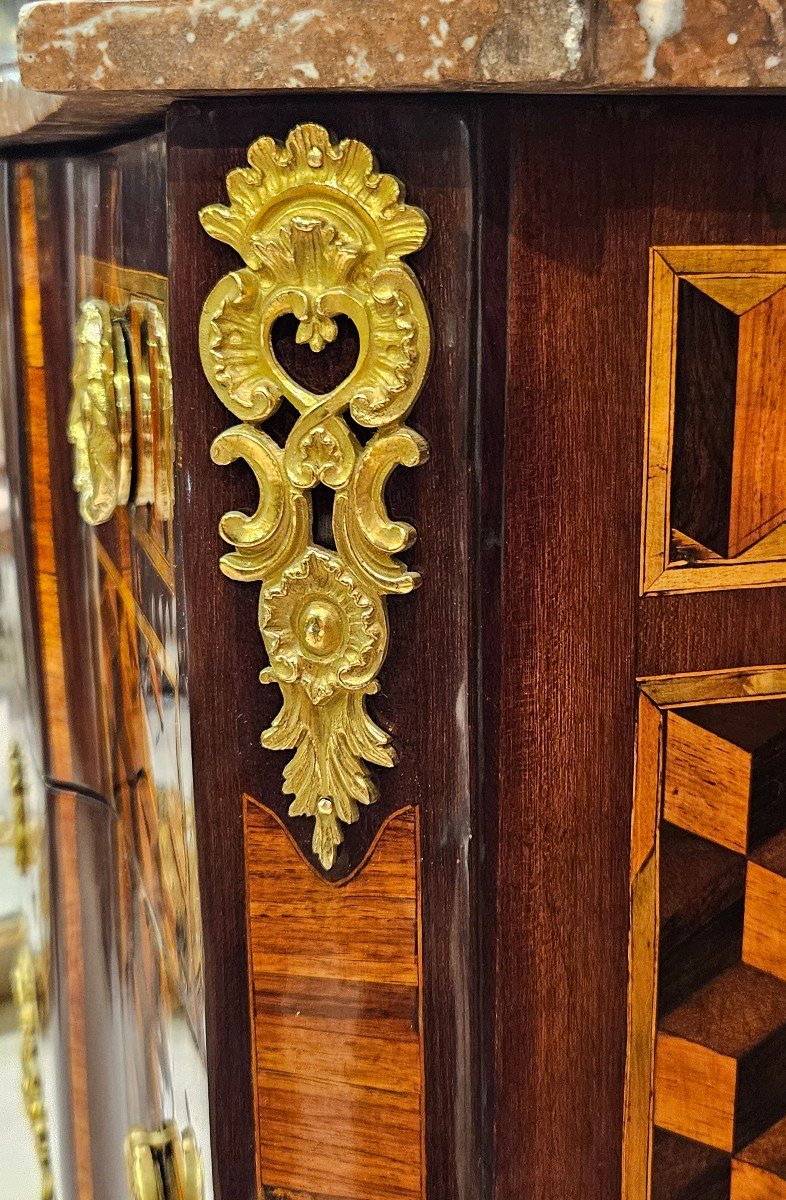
{"type": "Point", "coordinates": [121, 393]}
{"type": "Point", "coordinates": [164, 1164]}
{"type": "Point", "coordinates": [18, 831]}
{"type": "Point", "coordinates": [322, 235]}
{"type": "Point", "coordinates": [26, 997]}
{"type": "Point", "coordinates": [99, 421]}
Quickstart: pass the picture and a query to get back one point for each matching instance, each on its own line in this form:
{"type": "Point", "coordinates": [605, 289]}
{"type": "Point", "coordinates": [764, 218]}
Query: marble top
{"type": "Point", "coordinates": [231, 45]}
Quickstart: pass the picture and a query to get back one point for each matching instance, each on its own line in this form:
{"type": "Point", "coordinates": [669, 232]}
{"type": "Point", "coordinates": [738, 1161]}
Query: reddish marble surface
{"type": "Point", "coordinates": [708, 43]}
{"type": "Point", "coordinates": [130, 57]}
{"type": "Point", "coordinates": [230, 45]}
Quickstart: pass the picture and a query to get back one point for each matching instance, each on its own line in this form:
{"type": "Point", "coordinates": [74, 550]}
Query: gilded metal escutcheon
{"type": "Point", "coordinates": [322, 234]}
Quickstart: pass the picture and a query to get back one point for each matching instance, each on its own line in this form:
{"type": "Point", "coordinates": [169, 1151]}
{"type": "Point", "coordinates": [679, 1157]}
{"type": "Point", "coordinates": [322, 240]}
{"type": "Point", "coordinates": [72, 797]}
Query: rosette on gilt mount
{"type": "Point", "coordinates": [322, 234]}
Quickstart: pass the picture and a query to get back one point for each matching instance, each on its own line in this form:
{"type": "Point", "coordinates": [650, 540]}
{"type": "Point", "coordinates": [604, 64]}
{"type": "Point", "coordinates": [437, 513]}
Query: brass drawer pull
{"type": "Point", "coordinates": [26, 996]}
{"type": "Point", "coordinates": [164, 1164]}
{"type": "Point", "coordinates": [121, 393]}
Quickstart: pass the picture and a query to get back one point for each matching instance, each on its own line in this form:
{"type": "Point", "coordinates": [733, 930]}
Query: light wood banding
{"type": "Point", "coordinates": [749, 1182]}
{"type": "Point", "coordinates": [707, 784]}
{"type": "Point", "coordinates": [694, 1091]}
{"type": "Point", "coordinates": [758, 481]}
{"type": "Point", "coordinates": [764, 931]}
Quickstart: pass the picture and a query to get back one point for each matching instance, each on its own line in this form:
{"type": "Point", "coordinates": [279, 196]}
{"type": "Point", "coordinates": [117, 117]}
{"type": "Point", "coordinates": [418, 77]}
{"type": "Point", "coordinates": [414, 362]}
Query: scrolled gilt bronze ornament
{"type": "Point", "coordinates": [322, 234]}
{"type": "Point", "coordinates": [99, 419]}
{"type": "Point", "coordinates": [121, 393]}
{"type": "Point", "coordinates": [25, 837]}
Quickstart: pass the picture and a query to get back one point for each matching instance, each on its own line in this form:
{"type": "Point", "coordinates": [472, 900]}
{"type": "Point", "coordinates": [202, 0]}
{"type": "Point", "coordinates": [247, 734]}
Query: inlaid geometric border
{"type": "Point", "coordinates": [657, 695]}
{"type": "Point", "coordinates": [763, 564]}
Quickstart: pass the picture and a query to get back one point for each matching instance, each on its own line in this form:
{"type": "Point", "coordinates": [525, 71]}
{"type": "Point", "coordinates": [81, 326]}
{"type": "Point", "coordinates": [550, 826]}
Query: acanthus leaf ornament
{"type": "Point", "coordinates": [322, 235]}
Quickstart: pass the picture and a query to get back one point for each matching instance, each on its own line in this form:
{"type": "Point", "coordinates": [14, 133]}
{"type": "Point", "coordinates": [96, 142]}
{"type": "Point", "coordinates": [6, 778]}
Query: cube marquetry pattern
{"type": "Point", "coordinates": [729, 484]}
{"type": "Point", "coordinates": [714, 513]}
{"type": "Point", "coordinates": [719, 1069]}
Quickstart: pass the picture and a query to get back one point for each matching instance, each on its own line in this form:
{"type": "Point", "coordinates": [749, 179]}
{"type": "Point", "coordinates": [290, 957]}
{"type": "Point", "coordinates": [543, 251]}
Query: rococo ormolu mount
{"type": "Point", "coordinates": [323, 235]}
{"type": "Point", "coordinates": [481, 896]}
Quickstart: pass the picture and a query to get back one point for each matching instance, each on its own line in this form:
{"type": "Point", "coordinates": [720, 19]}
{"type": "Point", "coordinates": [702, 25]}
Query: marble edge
{"type": "Point", "coordinates": [29, 117]}
{"type": "Point", "coordinates": [22, 110]}
{"type": "Point", "coordinates": [185, 47]}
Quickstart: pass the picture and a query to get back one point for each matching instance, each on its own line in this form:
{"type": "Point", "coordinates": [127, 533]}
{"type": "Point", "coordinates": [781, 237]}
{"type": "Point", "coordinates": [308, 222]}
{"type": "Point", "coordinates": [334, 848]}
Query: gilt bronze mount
{"type": "Point", "coordinates": [323, 235]}
{"type": "Point", "coordinates": [120, 418]}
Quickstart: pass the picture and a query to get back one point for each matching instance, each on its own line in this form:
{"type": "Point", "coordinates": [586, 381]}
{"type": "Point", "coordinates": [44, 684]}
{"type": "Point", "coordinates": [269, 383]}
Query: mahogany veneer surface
{"type": "Point", "coordinates": [428, 694]}
{"type": "Point", "coordinates": [594, 186]}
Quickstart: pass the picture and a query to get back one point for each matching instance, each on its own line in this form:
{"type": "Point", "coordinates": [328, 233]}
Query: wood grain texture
{"type": "Point", "coordinates": [712, 923]}
{"type": "Point", "coordinates": [708, 784]}
{"type": "Point", "coordinates": [711, 230]}
{"type": "Point", "coordinates": [551, 669]}
{"type": "Point", "coordinates": [579, 245]}
{"type": "Point", "coordinates": [34, 266]}
{"type": "Point", "coordinates": [712, 490]}
{"type": "Point", "coordinates": [692, 689]}
{"type": "Point", "coordinates": [694, 1092]}
{"type": "Point", "coordinates": [739, 293]}
{"type": "Point", "coordinates": [493, 163]}
{"type": "Point", "coordinates": [686, 1170]}
{"type": "Point", "coordinates": [60, 222]}
{"type": "Point", "coordinates": [759, 1171]}
{"type": "Point", "coordinates": [758, 478]}
{"type": "Point", "coordinates": [428, 679]}
{"type": "Point", "coordinates": [31, 334]}
{"type": "Point", "coordinates": [335, 989]}
{"type": "Point", "coordinates": [586, 207]}
{"type": "Point", "coordinates": [728, 488]}
{"type": "Point", "coordinates": [643, 951]}
{"type": "Point", "coordinates": [705, 397]}
{"type": "Point", "coordinates": [701, 889]}
{"type": "Point", "coordinates": [30, 684]}
{"type": "Point", "coordinates": [751, 1182]}
{"type": "Point", "coordinates": [739, 1016]}
{"type": "Point", "coordinates": [764, 936]}
{"type": "Point", "coordinates": [62, 208]}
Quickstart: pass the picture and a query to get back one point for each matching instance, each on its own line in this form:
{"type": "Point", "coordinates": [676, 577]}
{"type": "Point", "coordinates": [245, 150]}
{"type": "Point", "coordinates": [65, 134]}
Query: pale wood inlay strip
{"type": "Point", "coordinates": [708, 781]}
{"type": "Point", "coordinates": [694, 1091]}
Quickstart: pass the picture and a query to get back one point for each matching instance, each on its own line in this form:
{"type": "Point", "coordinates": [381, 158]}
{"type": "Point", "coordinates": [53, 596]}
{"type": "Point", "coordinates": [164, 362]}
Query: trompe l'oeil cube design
{"type": "Point", "coordinates": [715, 487]}
{"type": "Point", "coordinates": [716, 1066]}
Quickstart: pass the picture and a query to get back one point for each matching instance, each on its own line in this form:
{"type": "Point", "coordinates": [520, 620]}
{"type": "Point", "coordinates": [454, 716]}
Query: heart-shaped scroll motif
{"type": "Point", "coordinates": [322, 235]}
{"type": "Point", "coordinates": [319, 371]}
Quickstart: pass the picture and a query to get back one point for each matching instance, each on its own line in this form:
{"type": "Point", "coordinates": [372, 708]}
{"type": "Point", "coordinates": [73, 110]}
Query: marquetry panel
{"type": "Point", "coordinates": [142, 704]}
{"type": "Point", "coordinates": [123, 288]}
{"type": "Point", "coordinates": [706, 1080]}
{"type": "Point", "coordinates": [336, 1013]}
{"type": "Point", "coordinates": [142, 693]}
{"type": "Point", "coordinates": [715, 481]}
